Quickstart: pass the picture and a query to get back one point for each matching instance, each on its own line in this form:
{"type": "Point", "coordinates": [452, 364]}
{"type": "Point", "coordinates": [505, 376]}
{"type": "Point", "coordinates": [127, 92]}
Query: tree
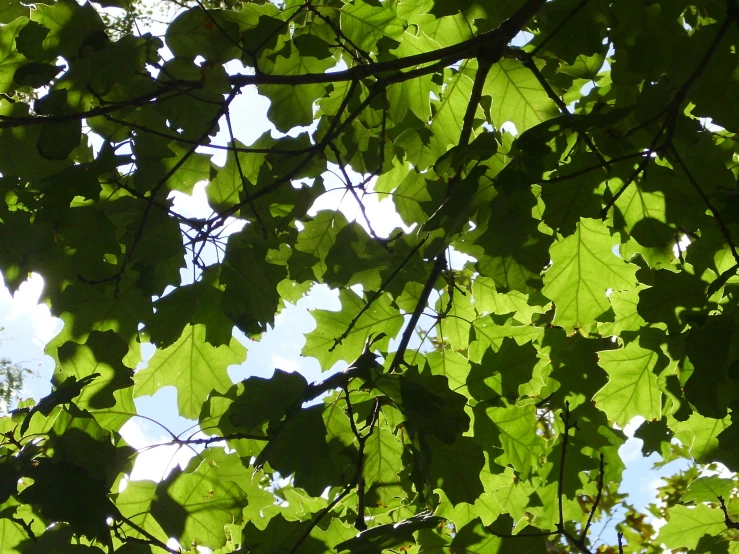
{"type": "Point", "coordinates": [12, 376]}
{"type": "Point", "coordinates": [581, 154]}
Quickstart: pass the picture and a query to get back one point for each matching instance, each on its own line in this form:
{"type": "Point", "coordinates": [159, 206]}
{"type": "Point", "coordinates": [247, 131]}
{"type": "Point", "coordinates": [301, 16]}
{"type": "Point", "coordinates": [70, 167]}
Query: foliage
{"type": "Point", "coordinates": [601, 283]}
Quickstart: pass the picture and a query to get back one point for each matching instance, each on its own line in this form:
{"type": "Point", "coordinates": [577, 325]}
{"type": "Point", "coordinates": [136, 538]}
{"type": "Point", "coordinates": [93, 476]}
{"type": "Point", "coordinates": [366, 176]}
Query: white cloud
{"type": "Point", "coordinates": [631, 450]}
{"type": "Point", "coordinates": [24, 307]}
{"type": "Point", "coordinates": [633, 425]}
{"type": "Point", "coordinates": [285, 364]}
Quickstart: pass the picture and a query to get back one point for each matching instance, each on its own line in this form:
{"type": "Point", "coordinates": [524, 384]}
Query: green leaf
{"type": "Point", "coordinates": [11, 60]}
{"type": "Point", "coordinates": [293, 106]}
{"type": "Point", "coordinates": [207, 33]}
{"type": "Point", "coordinates": [632, 388]}
{"type": "Point", "coordinates": [673, 298]}
{"type": "Point", "coordinates": [279, 536]}
{"type": "Point", "coordinates": [455, 468]}
{"type": "Point", "coordinates": [517, 96]}
{"type": "Point", "coordinates": [365, 24]}
{"type": "Point", "coordinates": [266, 400]}
{"type": "Point", "coordinates": [474, 537]}
{"type": "Point", "coordinates": [300, 448]}
{"type": "Point", "coordinates": [700, 435]}
{"type": "Point", "coordinates": [688, 524]}
{"type": "Point", "coordinates": [10, 10]}
{"type": "Point", "coordinates": [502, 372]}
{"type": "Point", "coordinates": [101, 355]}
{"type": "Point", "coordinates": [70, 25]}
{"type": "Point", "coordinates": [194, 505]}
{"type": "Point", "coordinates": [250, 298]}
{"type": "Point", "coordinates": [52, 483]}
{"type": "Point", "coordinates": [644, 211]}
{"type": "Point", "coordinates": [514, 251]}
{"type": "Point", "coordinates": [319, 236]}
{"type": "Point", "coordinates": [382, 457]}
{"type": "Point", "coordinates": [455, 327]}
{"type": "Point", "coordinates": [381, 317]}
{"type": "Point", "coordinates": [192, 365]}
{"type": "Point", "coordinates": [36, 74]}
{"type": "Point", "coordinates": [583, 269]}
{"type": "Point", "coordinates": [135, 504]}
{"type": "Point", "coordinates": [517, 435]}
{"type": "Point", "coordinates": [708, 489]}
{"type": "Point", "coordinates": [389, 535]}
{"type": "Point", "coordinates": [58, 140]}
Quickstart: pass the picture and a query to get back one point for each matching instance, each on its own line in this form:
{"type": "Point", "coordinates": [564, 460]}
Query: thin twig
{"type": "Point", "coordinates": [528, 62]}
{"type": "Point", "coordinates": [359, 55]}
{"type": "Point", "coordinates": [565, 416]}
{"type": "Point", "coordinates": [362, 439]}
{"type": "Point", "coordinates": [138, 101]}
{"type": "Point", "coordinates": [116, 277]}
{"type": "Point", "coordinates": [707, 201]}
{"type": "Point", "coordinates": [245, 184]}
{"type": "Point", "coordinates": [350, 188]}
{"type": "Point", "coordinates": [26, 526]}
{"type": "Point", "coordinates": [503, 34]}
{"type": "Point", "coordinates": [438, 267]}
{"type": "Point", "coordinates": [214, 439]}
{"type": "Point", "coordinates": [338, 340]}
{"type": "Point", "coordinates": [485, 61]}
{"type": "Point", "coordinates": [150, 538]}
{"type": "Point", "coordinates": [639, 168]}
{"type": "Point", "coordinates": [178, 138]}
{"type": "Point", "coordinates": [220, 218]}
{"type": "Point", "coordinates": [597, 500]}
{"type": "Point", "coordinates": [677, 100]}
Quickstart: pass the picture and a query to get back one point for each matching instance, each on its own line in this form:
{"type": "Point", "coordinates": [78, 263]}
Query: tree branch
{"type": "Point", "coordinates": [438, 267]}
{"type": "Point", "coordinates": [151, 539]}
{"type": "Point", "coordinates": [730, 523]}
{"type": "Point", "coordinates": [503, 34]}
{"type": "Point", "coordinates": [362, 440]}
{"type": "Point", "coordinates": [138, 101]}
{"type": "Point", "coordinates": [597, 500]}
{"type": "Point", "coordinates": [338, 340]}
{"type": "Point", "coordinates": [528, 62]}
{"type": "Point", "coordinates": [707, 201]}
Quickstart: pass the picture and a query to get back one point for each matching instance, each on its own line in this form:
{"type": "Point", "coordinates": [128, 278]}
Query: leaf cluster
{"type": "Point", "coordinates": [581, 157]}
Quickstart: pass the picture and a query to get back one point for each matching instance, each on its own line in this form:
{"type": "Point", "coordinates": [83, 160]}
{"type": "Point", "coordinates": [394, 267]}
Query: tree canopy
{"type": "Point", "coordinates": [581, 154]}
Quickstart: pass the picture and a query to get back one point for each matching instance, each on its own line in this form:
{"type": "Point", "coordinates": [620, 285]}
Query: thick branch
{"type": "Point", "coordinates": [452, 54]}
{"type": "Point", "coordinates": [730, 523]}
